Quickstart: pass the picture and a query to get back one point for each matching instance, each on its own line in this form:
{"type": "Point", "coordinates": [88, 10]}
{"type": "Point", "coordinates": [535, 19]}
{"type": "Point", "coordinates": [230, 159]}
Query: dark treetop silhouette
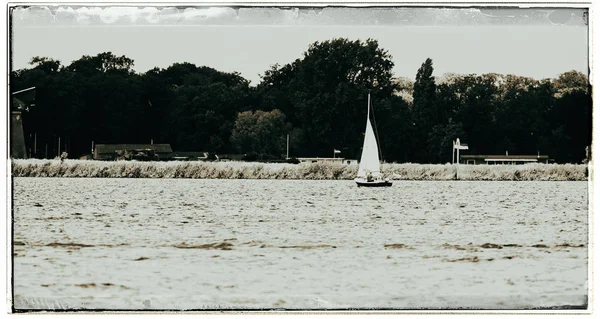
{"type": "Point", "coordinates": [317, 99]}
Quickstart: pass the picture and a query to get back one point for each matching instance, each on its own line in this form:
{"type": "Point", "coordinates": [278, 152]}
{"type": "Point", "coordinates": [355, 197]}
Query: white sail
{"type": "Point", "coordinates": [369, 160]}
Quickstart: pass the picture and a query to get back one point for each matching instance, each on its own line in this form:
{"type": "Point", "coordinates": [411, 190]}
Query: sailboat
{"type": "Point", "coordinates": [369, 169]}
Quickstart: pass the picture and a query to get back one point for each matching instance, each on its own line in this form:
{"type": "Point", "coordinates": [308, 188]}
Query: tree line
{"type": "Point", "coordinates": [319, 100]}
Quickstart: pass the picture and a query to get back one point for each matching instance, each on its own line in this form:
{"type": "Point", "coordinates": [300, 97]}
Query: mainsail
{"type": "Point", "coordinates": [369, 160]}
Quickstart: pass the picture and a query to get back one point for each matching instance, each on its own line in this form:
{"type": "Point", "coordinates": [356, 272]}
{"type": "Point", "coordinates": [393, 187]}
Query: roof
{"type": "Point", "coordinates": [111, 148]}
{"type": "Point", "coordinates": [505, 157]}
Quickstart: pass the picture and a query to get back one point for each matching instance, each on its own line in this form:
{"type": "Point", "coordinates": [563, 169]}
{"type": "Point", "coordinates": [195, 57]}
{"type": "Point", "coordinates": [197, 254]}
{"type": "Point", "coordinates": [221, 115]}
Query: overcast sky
{"type": "Point", "coordinates": [539, 43]}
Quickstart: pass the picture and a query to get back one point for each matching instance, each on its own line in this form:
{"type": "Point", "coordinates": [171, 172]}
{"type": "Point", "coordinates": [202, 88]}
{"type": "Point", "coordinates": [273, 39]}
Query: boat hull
{"type": "Point", "coordinates": [362, 183]}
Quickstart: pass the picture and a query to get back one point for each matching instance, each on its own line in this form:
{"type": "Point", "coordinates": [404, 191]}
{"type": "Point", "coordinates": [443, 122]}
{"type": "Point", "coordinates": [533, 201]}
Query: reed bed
{"type": "Point", "coordinates": [316, 171]}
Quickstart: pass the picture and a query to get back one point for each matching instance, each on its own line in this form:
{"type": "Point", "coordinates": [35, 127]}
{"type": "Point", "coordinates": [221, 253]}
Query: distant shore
{"type": "Point", "coordinates": [317, 171]}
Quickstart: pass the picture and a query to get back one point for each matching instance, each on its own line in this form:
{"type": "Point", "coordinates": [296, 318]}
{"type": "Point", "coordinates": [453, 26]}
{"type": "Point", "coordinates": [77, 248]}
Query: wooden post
{"type": "Point", "coordinates": [287, 152]}
{"type": "Point", "coordinates": [58, 150]}
{"type": "Point", "coordinates": [46, 153]}
{"type": "Point", "coordinates": [453, 150]}
{"type": "Point", "coordinates": [457, 162]}
{"type": "Point", "coordinates": [35, 145]}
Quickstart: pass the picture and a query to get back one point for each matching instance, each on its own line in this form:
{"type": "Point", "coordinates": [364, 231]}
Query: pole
{"type": "Point", "coordinates": [457, 161]}
{"type": "Point", "coordinates": [35, 145]}
{"type": "Point", "coordinates": [453, 150]}
{"type": "Point", "coordinates": [368, 106]}
{"type": "Point", "coordinates": [287, 152]}
{"type": "Point", "coordinates": [46, 153]}
{"type": "Point", "coordinates": [58, 151]}
{"type": "Point", "coordinates": [28, 89]}
{"type": "Point", "coordinates": [334, 153]}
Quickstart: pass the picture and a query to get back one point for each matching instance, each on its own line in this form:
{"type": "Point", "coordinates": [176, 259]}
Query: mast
{"type": "Point", "coordinates": [369, 106]}
{"type": "Point", "coordinates": [375, 128]}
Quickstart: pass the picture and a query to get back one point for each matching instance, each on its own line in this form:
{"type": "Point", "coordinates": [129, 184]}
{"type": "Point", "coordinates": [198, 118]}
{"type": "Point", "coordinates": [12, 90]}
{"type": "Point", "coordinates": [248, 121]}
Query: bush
{"type": "Point", "coordinates": [289, 170]}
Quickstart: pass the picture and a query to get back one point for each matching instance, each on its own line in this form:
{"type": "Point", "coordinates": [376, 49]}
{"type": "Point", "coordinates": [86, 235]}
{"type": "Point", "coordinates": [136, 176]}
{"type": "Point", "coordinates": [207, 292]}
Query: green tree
{"type": "Point", "coordinates": [476, 94]}
{"type": "Point", "coordinates": [261, 133]}
{"type": "Point", "coordinates": [47, 65]}
{"type": "Point", "coordinates": [206, 103]}
{"type": "Point", "coordinates": [103, 62]}
{"type": "Point", "coordinates": [395, 129]}
{"type": "Point", "coordinates": [325, 93]}
{"type": "Point", "coordinates": [440, 140]}
{"type": "Point", "coordinates": [521, 115]}
{"type": "Point", "coordinates": [571, 81]}
{"type": "Point", "coordinates": [570, 117]}
{"type": "Point", "coordinates": [424, 111]}
{"type": "Point", "coordinates": [323, 96]}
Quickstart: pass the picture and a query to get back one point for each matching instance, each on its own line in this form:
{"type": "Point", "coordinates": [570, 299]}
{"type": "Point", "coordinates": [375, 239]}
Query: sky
{"type": "Point", "coordinates": [538, 43]}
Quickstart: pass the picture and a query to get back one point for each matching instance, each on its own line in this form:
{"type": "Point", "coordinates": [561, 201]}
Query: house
{"type": "Point", "coordinates": [504, 159]}
{"type": "Point", "coordinates": [337, 160]}
{"type": "Point", "coordinates": [110, 152]}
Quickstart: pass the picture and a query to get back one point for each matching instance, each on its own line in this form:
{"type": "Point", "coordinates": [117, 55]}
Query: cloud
{"type": "Point", "coordinates": [193, 14]}
{"type": "Point", "coordinates": [204, 15]}
{"type": "Point", "coordinates": [149, 15]}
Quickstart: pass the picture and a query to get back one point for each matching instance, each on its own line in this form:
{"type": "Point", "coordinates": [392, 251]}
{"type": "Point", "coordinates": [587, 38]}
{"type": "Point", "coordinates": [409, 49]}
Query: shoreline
{"type": "Point", "coordinates": [285, 171]}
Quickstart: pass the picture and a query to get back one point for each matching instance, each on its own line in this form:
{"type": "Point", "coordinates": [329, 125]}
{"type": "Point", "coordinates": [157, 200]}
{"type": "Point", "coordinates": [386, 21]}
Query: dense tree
{"type": "Point", "coordinates": [475, 111]}
{"type": "Point", "coordinates": [325, 93]}
{"type": "Point", "coordinates": [99, 98]}
{"type": "Point", "coordinates": [395, 129]}
{"type": "Point", "coordinates": [571, 124]}
{"type": "Point", "coordinates": [261, 133]}
{"type": "Point", "coordinates": [424, 92]}
{"type": "Point", "coordinates": [101, 63]}
{"type": "Point", "coordinates": [571, 81]}
{"type": "Point", "coordinates": [320, 100]}
{"type": "Point", "coordinates": [46, 65]}
{"type": "Point", "coordinates": [205, 105]}
{"type": "Point", "coordinates": [424, 110]}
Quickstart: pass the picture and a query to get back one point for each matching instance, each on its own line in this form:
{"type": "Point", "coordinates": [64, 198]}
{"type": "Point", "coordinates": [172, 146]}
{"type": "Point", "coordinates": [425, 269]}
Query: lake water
{"type": "Point", "coordinates": [244, 244]}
